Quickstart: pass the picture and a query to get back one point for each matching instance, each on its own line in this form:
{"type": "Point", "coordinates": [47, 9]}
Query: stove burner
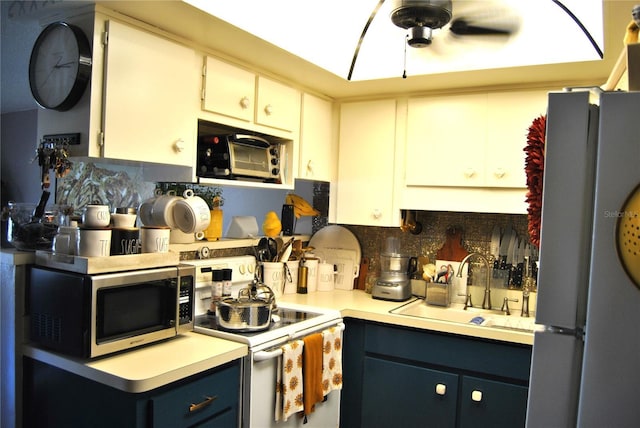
{"type": "Point", "coordinates": [280, 317]}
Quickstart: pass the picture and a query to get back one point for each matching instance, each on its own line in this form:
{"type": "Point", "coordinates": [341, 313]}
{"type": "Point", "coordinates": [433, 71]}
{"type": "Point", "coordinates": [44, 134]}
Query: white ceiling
{"type": "Point", "coordinates": [193, 25]}
{"type": "Point", "coordinates": [326, 33]}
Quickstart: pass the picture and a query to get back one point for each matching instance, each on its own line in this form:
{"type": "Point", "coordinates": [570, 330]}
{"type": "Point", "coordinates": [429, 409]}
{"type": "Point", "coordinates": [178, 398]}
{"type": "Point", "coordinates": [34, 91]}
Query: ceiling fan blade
{"type": "Point", "coordinates": [364, 32]}
{"type": "Point", "coordinates": [462, 27]}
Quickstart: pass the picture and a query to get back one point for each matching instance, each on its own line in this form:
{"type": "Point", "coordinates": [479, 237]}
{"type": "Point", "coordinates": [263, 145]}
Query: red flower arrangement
{"type": "Point", "coordinates": [534, 168]}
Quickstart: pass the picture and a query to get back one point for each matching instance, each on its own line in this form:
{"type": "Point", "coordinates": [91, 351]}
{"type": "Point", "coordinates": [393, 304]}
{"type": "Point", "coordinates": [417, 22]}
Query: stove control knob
{"type": "Point", "coordinates": [241, 269]}
{"type": "Point", "coordinates": [203, 253]}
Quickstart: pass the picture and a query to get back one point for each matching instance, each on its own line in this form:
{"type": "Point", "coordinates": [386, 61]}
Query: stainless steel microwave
{"type": "Point", "coordinates": [238, 156]}
{"type": "Point", "coordinates": [92, 315]}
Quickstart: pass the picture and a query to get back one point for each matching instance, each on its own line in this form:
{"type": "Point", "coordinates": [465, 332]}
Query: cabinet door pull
{"type": "Point", "coordinates": [268, 109]}
{"type": "Point", "coordinates": [441, 389]}
{"type": "Point", "coordinates": [500, 173]}
{"type": "Point", "coordinates": [203, 404]}
{"type": "Point", "coordinates": [469, 173]}
{"type": "Point", "coordinates": [476, 396]}
{"type": "Point", "coordinates": [245, 102]}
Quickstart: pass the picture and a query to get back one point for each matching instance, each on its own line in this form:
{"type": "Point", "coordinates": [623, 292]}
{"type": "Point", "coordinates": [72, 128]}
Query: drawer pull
{"type": "Point", "coordinates": [476, 396]}
{"type": "Point", "coordinates": [205, 403]}
{"type": "Point", "coordinates": [441, 389]}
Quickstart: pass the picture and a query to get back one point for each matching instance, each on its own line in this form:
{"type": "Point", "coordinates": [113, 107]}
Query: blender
{"type": "Point", "coordinates": [394, 282]}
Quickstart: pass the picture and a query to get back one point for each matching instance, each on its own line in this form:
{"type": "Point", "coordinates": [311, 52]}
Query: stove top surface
{"type": "Point", "coordinates": [280, 317]}
{"type": "Point", "coordinates": [287, 322]}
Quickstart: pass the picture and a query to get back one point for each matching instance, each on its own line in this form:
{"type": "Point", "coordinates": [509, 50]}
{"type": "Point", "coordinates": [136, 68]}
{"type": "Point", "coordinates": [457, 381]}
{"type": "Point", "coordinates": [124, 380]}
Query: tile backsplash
{"type": "Point", "coordinates": [123, 186]}
{"type": "Point", "coordinates": [476, 232]}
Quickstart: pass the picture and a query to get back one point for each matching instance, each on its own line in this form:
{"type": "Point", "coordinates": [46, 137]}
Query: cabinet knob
{"type": "Point", "coordinates": [377, 213]}
{"type": "Point", "coordinates": [441, 389]}
{"type": "Point", "coordinates": [245, 102]}
{"type": "Point", "coordinates": [476, 396]}
{"type": "Point", "coordinates": [469, 172]}
{"type": "Point", "coordinates": [309, 168]}
{"type": "Point", "coordinates": [499, 173]}
{"type": "Point", "coordinates": [179, 145]}
{"type": "Point", "coordinates": [268, 109]}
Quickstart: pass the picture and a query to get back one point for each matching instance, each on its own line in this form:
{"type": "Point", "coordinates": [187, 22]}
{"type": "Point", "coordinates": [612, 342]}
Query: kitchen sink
{"type": "Point", "coordinates": [456, 313]}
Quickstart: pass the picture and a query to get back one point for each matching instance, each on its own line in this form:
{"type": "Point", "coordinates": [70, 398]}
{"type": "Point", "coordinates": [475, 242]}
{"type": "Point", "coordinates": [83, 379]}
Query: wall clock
{"type": "Point", "coordinates": [60, 66]}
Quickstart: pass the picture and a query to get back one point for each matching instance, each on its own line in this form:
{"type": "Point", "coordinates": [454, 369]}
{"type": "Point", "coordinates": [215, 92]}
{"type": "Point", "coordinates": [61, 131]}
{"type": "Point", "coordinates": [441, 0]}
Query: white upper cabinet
{"type": "Point", "coordinates": [150, 97]}
{"type": "Point", "coordinates": [446, 140]}
{"type": "Point", "coordinates": [318, 147]}
{"type": "Point", "coordinates": [277, 105]}
{"type": "Point", "coordinates": [255, 101]}
{"type": "Point", "coordinates": [365, 190]}
{"type": "Point", "coordinates": [471, 140]}
{"type": "Point", "coordinates": [229, 90]}
{"type": "Point", "coordinates": [510, 114]}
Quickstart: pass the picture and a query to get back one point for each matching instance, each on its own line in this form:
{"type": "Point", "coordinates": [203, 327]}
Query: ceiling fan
{"type": "Point", "coordinates": [421, 17]}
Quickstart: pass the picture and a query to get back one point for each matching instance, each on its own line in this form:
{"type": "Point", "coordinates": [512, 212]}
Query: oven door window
{"type": "Point", "coordinates": [250, 158]}
{"type": "Point", "coordinates": [136, 309]}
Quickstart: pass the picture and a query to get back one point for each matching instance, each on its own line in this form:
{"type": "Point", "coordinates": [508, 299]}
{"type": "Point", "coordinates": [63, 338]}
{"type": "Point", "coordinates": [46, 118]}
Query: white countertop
{"type": "Point", "coordinates": [149, 367]}
{"type": "Point", "coordinates": [11, 256]}
{"type": "Point", "coordinates": [358, 304]}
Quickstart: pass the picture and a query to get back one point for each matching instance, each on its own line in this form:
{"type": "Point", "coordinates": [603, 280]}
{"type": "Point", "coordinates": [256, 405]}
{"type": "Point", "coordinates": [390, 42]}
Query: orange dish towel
{"type": "Point", "coordinates": [332, 360]}
{"type": "Point", "coordinates": [289, 381]}
{"type": "Point", "coordinates": [312, 371]}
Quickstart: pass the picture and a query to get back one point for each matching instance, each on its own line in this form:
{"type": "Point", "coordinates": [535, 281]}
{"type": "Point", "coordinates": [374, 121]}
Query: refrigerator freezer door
{"type": "Point", "coordinates": [611, 373]}
{"type": "Point", "coordinates": [565, 233]}
{"type": "Point", "coordinates": [555, 379]}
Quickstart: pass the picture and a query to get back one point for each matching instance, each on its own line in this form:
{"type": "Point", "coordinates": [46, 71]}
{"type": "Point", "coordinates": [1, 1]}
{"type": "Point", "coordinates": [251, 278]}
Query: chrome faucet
{"type": "Point", "coordinates": [486, 302]}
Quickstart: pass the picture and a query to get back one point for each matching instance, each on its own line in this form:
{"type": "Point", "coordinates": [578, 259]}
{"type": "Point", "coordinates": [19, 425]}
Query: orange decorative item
{"type": "Point", "coordinates": [214, 231]}
{"type": "Point", "coordinates": [271, 225]}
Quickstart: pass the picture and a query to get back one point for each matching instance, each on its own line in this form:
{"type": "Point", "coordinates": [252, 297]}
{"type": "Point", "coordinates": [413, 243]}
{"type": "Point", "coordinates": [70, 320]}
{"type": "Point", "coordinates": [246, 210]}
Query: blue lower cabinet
{"type": "Point", "coordinates": [395, 376]}
{"type": "Point", "coordinates": [401, 395]}
{"type": "Point", "coordinates": [57, 398]}
{"type": "Point", "coordinates": [486, 403]}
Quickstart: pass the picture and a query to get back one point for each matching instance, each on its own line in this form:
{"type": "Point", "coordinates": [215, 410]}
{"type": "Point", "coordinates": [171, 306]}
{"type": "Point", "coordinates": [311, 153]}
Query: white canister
{"type": "Point", "coordinates": [155, 239]}
{"type": "Point", "coordinates": [273, 276]}
{"type": "Point", "coordinates": [312, 274]}
{"type": "Point", "coordinates": [291, 276]}
{"type": "Point", "coordinates": [95, 216]}
{"type": "Point", "coordinates": [326, 275]}
{"type": "Point", "coordinates": [94, 242]}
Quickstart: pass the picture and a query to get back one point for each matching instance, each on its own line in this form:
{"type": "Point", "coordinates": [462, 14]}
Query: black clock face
{"type": "Point", "coordinates": [60, 66]}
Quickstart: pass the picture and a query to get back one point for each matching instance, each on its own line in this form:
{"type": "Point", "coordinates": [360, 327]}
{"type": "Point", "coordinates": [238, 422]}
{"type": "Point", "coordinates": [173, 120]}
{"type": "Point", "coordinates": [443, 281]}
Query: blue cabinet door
{"type": "Point", "coordinates": [494, 404]}
{"type": "Point", "coordinates": [401, 395]}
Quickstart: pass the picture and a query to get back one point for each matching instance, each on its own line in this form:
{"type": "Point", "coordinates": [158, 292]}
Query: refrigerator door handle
{"type": "Point", "coordinates": [577, 332]}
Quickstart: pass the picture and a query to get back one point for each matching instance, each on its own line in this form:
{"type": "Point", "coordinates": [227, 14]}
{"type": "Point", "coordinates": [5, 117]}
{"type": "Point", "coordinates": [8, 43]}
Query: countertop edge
{"type": "Point", "coordinates": [116, 371]}
{"type": "Point", "coordinates": [360, 305]}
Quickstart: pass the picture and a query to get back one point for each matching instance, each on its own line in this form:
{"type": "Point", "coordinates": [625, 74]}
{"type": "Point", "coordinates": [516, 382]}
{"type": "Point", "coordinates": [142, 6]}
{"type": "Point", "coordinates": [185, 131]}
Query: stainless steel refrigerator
{"type": "Point", "coordinates": [585, 369]}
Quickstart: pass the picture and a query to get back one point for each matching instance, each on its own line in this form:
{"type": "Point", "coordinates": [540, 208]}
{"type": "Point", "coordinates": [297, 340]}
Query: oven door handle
{"type": "Point", "coordinates": [267, 355]}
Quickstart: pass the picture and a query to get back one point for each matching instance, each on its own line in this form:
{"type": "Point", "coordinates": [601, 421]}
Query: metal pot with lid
{"type": "Point", "coordinates": [251, 311]}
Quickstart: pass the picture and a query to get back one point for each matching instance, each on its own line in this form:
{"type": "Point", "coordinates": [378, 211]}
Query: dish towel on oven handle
{"type": "Point", "coordinates": [331, 360]}
{"type": "Point", "coordinates": [289, 397]}
{"type": "Point", "coordinates": [312, 371]}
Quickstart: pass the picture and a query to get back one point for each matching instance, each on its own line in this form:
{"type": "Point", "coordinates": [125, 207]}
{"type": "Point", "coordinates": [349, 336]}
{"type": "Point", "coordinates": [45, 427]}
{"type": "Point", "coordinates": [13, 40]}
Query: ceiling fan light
{"type": "Point", "coordinates": [419, 37]}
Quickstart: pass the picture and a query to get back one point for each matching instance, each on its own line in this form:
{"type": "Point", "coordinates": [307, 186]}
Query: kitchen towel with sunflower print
{"type": "Point", "coordinates": [331, 359]}
{"type": "Point", "coordinates": [289, 398]}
